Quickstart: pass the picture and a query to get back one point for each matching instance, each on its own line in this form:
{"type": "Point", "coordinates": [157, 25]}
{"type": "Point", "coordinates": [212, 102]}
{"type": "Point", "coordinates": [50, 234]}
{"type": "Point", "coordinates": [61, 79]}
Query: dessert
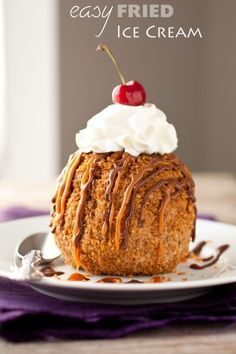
{"type": "Point", "coordinates": [125, 203]}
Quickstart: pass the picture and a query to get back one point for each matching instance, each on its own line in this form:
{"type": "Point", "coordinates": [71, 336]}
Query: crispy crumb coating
{"type": "Point", "coordinates": [150, 249]}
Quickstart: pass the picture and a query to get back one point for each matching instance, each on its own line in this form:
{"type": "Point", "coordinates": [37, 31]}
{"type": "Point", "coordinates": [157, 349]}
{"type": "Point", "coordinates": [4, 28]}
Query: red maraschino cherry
{"type": "Point", "coordinates": [130, 93]}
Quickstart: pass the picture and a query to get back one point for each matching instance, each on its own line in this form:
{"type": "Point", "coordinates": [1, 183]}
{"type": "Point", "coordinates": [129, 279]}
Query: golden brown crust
{"type": "Point", "coordinates": [155, 244]}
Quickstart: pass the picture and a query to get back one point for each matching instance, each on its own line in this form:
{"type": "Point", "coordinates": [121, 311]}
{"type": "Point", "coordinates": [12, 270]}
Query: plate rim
{"type": "Point", "coordinates": [121, 287]}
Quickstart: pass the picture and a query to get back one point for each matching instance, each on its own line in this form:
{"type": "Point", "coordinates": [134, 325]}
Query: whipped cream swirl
{"type": "Point", "coordinates": [133, 129]}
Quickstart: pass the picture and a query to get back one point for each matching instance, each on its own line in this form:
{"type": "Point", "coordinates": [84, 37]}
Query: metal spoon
{"type": "Point", "coordinates": [43, 243]}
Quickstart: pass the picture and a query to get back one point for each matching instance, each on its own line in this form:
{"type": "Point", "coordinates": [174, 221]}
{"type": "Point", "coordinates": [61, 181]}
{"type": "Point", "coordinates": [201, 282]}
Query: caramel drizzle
{"type": "Point", "coordinates": [77, 277]}
{"type": "Point", "coordinates": [86, 182]}
{"type": "Point", "coordinates": [132, 205]}
{"type": "Point", "coordinates": [65, 186]}
{"type": "Point", "coordinates": [162, 182]}
{"type": "Point", "coordinates": [127, 197]}
{"type": "Point", "coordinates": [188, 182]}
{"type": "Point", "coordinates": [112, 188]}
{"type": "Point", "coordinates": [193, 235]}
{"type": "Point", "coordinates": [163, 207]}
{"type": "Point", "coordinates": [61, 185]}
{"type": "Point", "coordinates": [156, 166]}
{"type": "Point", "coordinates": [168, 196]}
{"type": "Point", "coordinates": [63, 191]}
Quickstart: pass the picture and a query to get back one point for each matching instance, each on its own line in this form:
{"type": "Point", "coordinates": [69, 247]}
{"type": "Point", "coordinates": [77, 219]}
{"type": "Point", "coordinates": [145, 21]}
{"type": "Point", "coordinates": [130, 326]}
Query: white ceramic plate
{"type": "Point", "coordinates": [184, 283]}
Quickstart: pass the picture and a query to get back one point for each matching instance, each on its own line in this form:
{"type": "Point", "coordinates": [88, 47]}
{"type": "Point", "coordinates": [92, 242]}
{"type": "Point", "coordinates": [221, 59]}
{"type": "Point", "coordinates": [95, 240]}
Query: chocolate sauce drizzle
{"type": "Point", "coordinates": [138, 181]}
{"type": "Point", "coordinates": [220, 250]}
{"type": "Point", "coordinates": [64, 187]}
{"type": "Point", "coordinates": [110, 280]}
{"type": "Point", "coordinates": [134, 281]}
{"type": "Point", "coordinates": [86, 183]}
{"type": "Point", "coordinates": [170, 189]}
{"type": "Point", "coordinates": [112, 187]}
{"type": "Point", "coordinates": [198, 248]}
{"type": "Point", "coordinates": [50, 272]}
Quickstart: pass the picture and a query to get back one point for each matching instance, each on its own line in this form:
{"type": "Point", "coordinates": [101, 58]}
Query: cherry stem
{"type": "Point", "coordinates": [105, 48]}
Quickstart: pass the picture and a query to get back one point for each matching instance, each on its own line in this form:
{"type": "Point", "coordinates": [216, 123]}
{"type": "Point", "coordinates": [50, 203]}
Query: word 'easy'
{"type": "Point", "coordinates": [128, 10]}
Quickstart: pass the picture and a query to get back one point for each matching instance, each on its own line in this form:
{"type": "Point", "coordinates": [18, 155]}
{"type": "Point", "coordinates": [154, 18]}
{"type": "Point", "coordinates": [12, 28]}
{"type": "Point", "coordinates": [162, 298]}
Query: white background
{"type": "Point", "coordinates": [31, 121]}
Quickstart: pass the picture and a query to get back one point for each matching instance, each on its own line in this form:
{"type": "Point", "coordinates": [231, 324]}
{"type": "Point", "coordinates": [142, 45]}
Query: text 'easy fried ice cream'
{"type": "Point", "coordinates": [125, 203]}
